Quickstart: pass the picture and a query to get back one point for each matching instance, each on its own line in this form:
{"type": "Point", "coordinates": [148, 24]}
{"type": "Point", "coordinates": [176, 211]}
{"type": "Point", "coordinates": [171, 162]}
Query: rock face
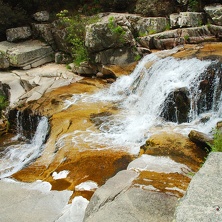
{"type": "Point", "coordinates": [202, 201]}
{"type": "Point", "coordinates": [16, 34]}
{"type": "Point", "coordinates": [26, 54]}
{"type": "Point", "coordinates": [112, 40]}
{"type": "Point", "coordinates": [186, 19]}
{"type": "Point", "coordinates": [155, 8]}
{"type": "Point", "coordinates": [215, 13]}
{"type": "Point", "coordinates": [42, 16]}
{"type": "Point", "coordinates": [177, 106]}
{"type": "Point", "coordinates": [172, 38]}
{"type": "Point", "coordinates": [44, 32]}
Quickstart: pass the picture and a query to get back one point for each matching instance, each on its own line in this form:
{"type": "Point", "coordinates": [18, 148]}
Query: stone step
{"type": "Point", "coordinates": [25, 55]}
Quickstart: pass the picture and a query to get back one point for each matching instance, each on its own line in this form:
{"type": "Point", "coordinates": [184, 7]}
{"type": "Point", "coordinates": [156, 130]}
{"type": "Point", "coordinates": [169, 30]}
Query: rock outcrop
{"type": "Point", "coordinates": [202, 201]}
{"type": "Point", "coordinates": [25, 55]}
{"type": "Point", "coordinates": [18, 34]}
{"type": "Point", "coordinates": [214, 13]}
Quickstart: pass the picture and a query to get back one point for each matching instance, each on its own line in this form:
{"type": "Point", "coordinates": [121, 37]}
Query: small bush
{"type": "Point", "coordinates": [217, 143]}
{"type": "Point", "coordinates": [116, 29]}
{"type": "Point", "coordinates": [76, 34]}
{"type": "Point", "coordinates": [3, 103]}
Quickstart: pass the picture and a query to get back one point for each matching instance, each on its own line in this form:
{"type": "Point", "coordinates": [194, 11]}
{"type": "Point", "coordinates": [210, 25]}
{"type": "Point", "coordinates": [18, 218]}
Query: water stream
{"type": "Point", "coordinates": [141, 98]}
{"type": "Point", "coordinates": [15, 157]}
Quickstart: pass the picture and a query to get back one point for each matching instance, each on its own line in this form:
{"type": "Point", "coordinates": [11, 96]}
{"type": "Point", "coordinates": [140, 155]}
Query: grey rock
{"type": "Point", "coordinates": [4, 63]}
{"type": "Point", "coordinates": [172, 38]}
{"type": "Point", "coordinates": [62, 58]}
{"type": "Point", "coordinates": [29, 85]}
{"type": "Point", "coordinates": [27, 203]}
{"type": "Point", "coordinates": [215, 13]}
{"type": "Point", "coordinates": [186, 19]}
{"type": "Point", "coordinates": [43, 32]}
{"type": "Point", "coordinates": [42, 16]}
{"type": "Point", "coordinates": [27, 54]}
{"type": "Point", "coordinates": [60, 35]}
{"type": "Point", "coordinates": [100, 36]}
{"type": "Point", "coordinates": [117, 56]}
{"type": "Point", "coordinates": [85, 69]}
{"type": "Point", "coordinates": [203, 200]}
{"type": "Point", "coordinates": [109, 191]}
{"type": "Point", "coordinates": [200, 139]}
{"type": "Point", "coordinates": [20, 33]}
{"type": "Point", "coordinates": [129, 204]}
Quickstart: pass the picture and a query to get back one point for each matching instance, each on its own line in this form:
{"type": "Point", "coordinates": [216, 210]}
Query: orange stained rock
{"type": "Point", "coordinates": [202, 51]}
{"type": "Point", "coordinates": [177, 147]}
{"type": "Point", "coordinates": [170, 183]}
{"type": "Point", "coordinates": [84, 160]}
{"type": "Point", "coordinates": [94, 165]}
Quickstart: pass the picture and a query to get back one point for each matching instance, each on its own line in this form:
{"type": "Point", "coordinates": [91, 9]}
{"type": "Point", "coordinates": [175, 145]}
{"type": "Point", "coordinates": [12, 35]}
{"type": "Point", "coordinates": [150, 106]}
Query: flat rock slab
{"type": "Point", "coordinates": [29, 85]}
{"type": "Point", "coordinates": [118, 201]}
{"type": "Point", "coordinates": [203, 200]}
{"type": "Point", "coordinates": [31, 202]}
{"type": "Point", "coordinates": [25, 55]}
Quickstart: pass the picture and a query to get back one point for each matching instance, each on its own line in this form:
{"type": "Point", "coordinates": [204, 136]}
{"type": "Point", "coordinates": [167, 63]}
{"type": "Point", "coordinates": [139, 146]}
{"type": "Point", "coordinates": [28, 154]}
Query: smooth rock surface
{"type": "Point", "coordinates": [203, 200]}
{"type": "Point", "coordinates": [28, 85]}
{"type": "Point", "coordinates": [31, 202]}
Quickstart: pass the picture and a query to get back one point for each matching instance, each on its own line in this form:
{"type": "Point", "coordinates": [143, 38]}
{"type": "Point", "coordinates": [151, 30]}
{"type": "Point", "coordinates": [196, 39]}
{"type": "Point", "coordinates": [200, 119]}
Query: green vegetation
{"type": "Point", "coordinates": [116, 29]}
{"type": "Point", "coordinates": [152, 31]}
{"type": "Point", "coordinates": [193, 5]}
{"type": "Point", "coordinates": [217, 143]}
{"type": "Point", "coordinates": [3, 103]}
{"type": "Point", "coordinates": [186, 37]}
{"type": "Point", "coordinates": [137, 57]}
{"type": "Point", "coordinates": [76, 34]}
{"type": "Point", "coordinates": [167, 26]}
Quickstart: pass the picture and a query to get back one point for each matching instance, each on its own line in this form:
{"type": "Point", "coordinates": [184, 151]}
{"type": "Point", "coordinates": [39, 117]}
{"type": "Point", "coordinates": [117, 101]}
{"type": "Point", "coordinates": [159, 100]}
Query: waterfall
{"type": "Point", "coordinates": [15, 157]}
{"type": "Point", "coordinates": [141, 98]}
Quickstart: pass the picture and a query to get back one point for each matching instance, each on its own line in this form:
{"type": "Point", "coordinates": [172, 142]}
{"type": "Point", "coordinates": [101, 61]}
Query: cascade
{"type": "Point", "coordinates": [15, 157]}
{"type": "Point", "coordinates": [142, 98]}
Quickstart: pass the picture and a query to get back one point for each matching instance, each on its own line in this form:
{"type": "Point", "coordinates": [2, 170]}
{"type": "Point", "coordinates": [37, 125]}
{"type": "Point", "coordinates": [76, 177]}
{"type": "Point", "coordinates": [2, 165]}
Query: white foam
{"type": "Point", "coordinates": [158, 164]}
{"type": "Point", "coordinates": [61, 175]}
{"type": "Point", "coordinates": [87, 186]}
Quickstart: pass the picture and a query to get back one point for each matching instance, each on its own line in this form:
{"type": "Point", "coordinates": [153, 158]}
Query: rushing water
{"type": "Point", "coordinates": [15, 157]}
{"type": "Point", "coordinates": [141, 99]}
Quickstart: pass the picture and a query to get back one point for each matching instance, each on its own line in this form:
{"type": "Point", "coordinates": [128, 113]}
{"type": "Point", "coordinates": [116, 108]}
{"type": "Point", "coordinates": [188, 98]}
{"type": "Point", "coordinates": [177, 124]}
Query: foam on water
{"type": "Point", "coordinates": [15, 157]}
{"type": "Point", "coordinates": [140, 98]}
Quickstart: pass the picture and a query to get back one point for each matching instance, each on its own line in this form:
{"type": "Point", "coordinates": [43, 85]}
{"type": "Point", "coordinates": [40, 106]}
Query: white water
{"type": "Point", "coordinates": [15, 157]}
{"type": "Point", "coordinates": [140, 98]}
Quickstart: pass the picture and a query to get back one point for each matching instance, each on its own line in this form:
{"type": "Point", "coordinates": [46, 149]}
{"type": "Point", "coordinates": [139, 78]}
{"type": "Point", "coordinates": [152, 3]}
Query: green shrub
{"type": "Point", "coordinates": [76, 34]}
{"type": "Point", "coordinates": [193, 5]}
{"type": "Point", "coordinates": [116, 29]}
{"type": "Point", "coordinates": [3, 103]}
{"type": "Point", "coordinates": [217, 143]}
